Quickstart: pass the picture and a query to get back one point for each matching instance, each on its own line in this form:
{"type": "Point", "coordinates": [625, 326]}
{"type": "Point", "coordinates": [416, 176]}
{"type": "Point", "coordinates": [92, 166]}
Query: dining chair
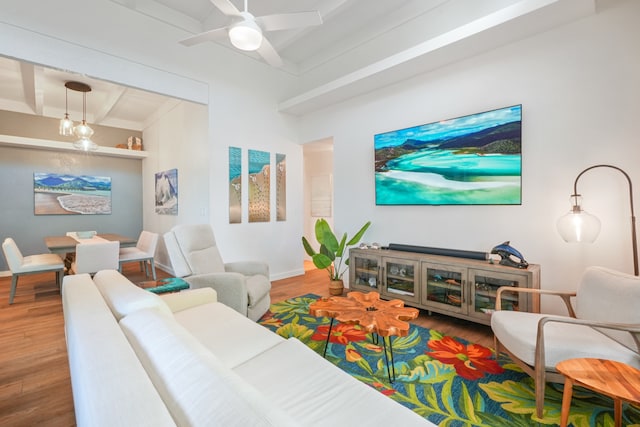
{"type": "Point", "coordinates": [143, 252]}
{"type": "Point", "coordinates": [70, 256]}
{"type": "Point", "coordinates": [93, 257]}
{"type": "Point", "coordinates": [21, 265]}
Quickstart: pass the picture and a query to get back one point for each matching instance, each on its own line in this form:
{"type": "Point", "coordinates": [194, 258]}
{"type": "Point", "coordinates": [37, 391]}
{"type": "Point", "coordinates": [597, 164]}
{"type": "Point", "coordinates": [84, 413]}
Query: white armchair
{"type": "Point", "coordinates": [605, 324]}
{"type": "Point", "coordinates": [243, 286]}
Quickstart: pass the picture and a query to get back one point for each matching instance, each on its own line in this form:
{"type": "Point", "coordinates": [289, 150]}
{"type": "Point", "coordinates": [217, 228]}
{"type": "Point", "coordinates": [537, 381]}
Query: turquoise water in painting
{"type": "Point", "coordinates": [441, 177]}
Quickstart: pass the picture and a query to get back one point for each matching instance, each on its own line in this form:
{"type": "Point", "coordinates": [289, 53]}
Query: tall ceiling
{"type": "Point", "coordinates": [360, 43]}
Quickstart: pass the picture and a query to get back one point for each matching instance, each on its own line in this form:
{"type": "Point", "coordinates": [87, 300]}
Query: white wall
{"type": "Point", "coordinates": [111, 42]}
{"type": "Point", "coordinates": [579, 89]}
{"type": "Point", "coordinates": [177, 140]}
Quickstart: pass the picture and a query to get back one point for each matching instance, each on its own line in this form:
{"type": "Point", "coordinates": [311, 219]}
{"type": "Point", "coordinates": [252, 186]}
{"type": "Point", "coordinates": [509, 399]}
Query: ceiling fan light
{"type": "Point", "coordinates": [246, 35]}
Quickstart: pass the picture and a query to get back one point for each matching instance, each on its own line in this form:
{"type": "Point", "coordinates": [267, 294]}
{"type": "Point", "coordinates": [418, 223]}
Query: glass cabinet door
{"type": "Point", "coordinates": [485, 288]}
{"type": "Point", "coordinates": [401, 279]}
{"type": "Point", "coordinates": [445, 287]}
{"type": "Point", "coordinates": [364, 274]}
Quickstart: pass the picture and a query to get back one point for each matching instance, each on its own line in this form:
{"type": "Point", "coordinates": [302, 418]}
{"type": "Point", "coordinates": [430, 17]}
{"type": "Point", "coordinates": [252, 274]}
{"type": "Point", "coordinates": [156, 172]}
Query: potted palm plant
{"type": "Point", "coordinates": [330, 256]}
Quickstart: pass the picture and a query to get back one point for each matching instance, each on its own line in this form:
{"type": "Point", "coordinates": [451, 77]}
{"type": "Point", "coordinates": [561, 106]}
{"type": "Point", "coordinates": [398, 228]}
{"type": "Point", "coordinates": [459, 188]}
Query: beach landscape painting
{"type": "Point", "coordinates": [64, 194]}
{"type": "Point", "coordinates": [469, 160]}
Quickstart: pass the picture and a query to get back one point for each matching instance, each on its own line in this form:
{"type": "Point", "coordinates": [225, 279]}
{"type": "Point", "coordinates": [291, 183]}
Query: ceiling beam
{"type": "Point", "coordinates": [108, 104]}
{"type": "Point", "coordinates": [32, 86]}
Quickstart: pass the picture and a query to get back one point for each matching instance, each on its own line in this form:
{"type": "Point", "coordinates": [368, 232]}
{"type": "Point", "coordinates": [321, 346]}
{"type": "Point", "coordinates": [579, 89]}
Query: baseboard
{"type": "Point", "coordinates": [287, 274]}
{"type": "Point", "coordinates": [5, 273]}
{"type": "Point", "coordinates": [166, 268]}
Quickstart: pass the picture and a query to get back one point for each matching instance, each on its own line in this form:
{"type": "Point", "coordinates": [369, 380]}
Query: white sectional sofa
{"type": "Point", "coordinates": [184, 359]}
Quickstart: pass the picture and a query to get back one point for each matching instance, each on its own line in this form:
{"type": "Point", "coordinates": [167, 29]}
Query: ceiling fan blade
{"type": "Point", "coordinates": [226, 7]}
{"type": "Point", "coordinates": [285, 21]}
{"type": "Point", "coordinates": [269, 54]}
{"type": "Point", "coordinates": [216, 34]}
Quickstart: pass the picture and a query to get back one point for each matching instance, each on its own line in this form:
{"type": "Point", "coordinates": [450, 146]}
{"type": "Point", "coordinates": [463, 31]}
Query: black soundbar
{"type": "Point", "coordinates": [440, 251]}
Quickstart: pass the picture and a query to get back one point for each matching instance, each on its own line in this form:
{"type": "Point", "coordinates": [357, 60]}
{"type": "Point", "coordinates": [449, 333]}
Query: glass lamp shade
{"type": "Point", "coordinates": [578, 226]}
{"type": "Point", "coordinates": [85, 144]}
{"type": "Point", "coordinates": [83, 130]}
{"type": "Point", "coordinates": [246, 35]}
{"type": "Point", "coordinates": [66, 126]}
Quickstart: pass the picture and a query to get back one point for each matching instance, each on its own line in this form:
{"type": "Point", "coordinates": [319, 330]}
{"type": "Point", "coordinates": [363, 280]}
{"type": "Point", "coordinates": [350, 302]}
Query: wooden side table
{"type": "Point", "coordinates": [617, 380]}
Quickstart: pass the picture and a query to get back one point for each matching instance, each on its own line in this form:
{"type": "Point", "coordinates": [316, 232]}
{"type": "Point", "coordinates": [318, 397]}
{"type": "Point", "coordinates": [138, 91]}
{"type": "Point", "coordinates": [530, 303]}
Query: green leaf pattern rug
{"type": "Point", "coordinates": [445, 379]}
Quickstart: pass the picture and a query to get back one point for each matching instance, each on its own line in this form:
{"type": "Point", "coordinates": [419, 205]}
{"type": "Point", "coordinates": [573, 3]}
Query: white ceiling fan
{"type": "Point", "coordinates": [246, 31]}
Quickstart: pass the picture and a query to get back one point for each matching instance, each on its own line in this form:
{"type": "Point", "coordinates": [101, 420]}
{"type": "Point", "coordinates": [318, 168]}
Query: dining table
{"type": "Point", "coordinates": [62, 245]}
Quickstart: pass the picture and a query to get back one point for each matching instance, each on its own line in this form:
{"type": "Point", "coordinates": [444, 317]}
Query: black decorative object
{"type": "Point", "coordinates": [440, 251]}
{"type": "Point", "coordinates": [507, 254]}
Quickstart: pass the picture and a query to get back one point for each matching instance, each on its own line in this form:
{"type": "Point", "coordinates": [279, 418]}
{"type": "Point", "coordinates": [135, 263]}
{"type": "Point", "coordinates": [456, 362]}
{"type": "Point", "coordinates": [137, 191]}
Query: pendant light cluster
{"type": "Point", "coordinates": [82, 131]}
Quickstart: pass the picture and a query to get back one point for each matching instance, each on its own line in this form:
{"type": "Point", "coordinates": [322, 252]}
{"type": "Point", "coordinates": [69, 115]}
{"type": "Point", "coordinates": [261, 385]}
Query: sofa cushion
{"type": "Point", "coordinates": [196, 387]}
{"type": "Point", "coordinates": [178, 301]}
{"type": "Point", "coordinates": [110, 385]}
{"type": "Point", "coordinates": [232, 338]}
{"type": "Point", "coordinates": [315, 392]}
{"type": "Point", "coordinates": [123, 297]}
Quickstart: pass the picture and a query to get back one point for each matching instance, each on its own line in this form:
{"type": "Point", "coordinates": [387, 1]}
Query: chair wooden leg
{"type": "Point", "coordinates": [14, 285]}
{"type": "Point", "coordinates": [153, 268]}
{"type": "Point", "coordinates": [540, 386]}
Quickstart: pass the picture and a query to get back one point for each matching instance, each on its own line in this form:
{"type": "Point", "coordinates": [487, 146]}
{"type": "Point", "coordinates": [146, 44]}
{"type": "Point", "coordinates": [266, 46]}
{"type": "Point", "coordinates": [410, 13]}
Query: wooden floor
{"type": "Point", "coordinates": [34, 374]}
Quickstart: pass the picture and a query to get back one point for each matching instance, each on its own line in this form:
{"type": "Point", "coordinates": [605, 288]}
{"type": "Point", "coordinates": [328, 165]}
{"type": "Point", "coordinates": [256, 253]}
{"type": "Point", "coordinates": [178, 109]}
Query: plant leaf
{"type": "Point", "coordinates": [355, 239]}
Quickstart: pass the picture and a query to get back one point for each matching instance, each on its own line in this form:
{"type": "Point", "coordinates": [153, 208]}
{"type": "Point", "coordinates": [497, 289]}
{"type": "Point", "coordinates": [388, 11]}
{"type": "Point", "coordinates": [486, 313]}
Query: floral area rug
{"type": "Point", "coordinates": [445, 379]}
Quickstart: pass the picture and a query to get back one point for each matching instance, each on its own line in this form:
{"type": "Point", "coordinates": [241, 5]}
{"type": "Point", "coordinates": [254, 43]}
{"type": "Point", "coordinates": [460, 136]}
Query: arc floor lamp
{"type": "Point", "coordinates": [580, 226]}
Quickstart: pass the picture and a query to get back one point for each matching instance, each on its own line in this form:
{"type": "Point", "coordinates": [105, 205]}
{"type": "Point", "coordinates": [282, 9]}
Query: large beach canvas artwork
{"type": "Point", "coordinates": [469, 160]}
{"type": "Point", "coordinates": [64, 194]}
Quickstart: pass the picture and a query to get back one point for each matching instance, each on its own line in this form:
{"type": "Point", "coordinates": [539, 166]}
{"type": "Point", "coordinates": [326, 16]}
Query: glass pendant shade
{"type": "Point", "coordinates": [66, 126]}
{"type": "Point", "coordinates": [85, 144]}
{"type": "Point", "coordinates": [83, 130]}
{"type": "Point", "coordinates": [578, 226]}
{"type": "Point", "coordinates": [246, 35]}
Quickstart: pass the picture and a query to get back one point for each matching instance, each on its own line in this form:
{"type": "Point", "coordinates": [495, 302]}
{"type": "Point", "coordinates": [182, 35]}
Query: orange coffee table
{"type": "Point", "coordinates": [376, 316]}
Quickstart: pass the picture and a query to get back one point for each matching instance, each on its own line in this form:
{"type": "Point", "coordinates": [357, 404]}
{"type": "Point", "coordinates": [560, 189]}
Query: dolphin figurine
{"type": "Point", "coordinates": [507, 254]}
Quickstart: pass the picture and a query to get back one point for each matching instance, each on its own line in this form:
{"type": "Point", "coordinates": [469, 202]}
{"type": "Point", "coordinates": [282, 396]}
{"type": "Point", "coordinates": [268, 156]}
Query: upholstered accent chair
{"type": "Point", "coordinates": [243, 286]}
{"type": "Point", "coordinates": [31, 264]}
{"type": "Point", "coordinates": [144, 252]}
{"type": "Point", "coordinates": [93, 257]}
{"type": "Point", "coordinates": [603, 322]}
